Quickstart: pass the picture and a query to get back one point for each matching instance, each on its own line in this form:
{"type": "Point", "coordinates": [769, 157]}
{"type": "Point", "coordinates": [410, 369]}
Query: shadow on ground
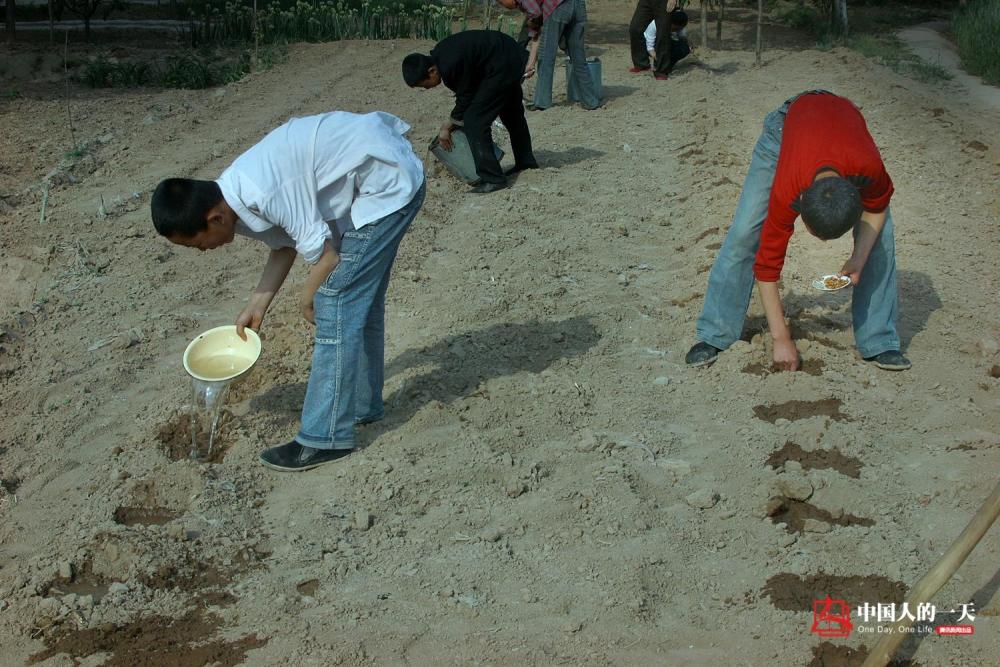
{"type": "Point", "coordinates": [460, 364]}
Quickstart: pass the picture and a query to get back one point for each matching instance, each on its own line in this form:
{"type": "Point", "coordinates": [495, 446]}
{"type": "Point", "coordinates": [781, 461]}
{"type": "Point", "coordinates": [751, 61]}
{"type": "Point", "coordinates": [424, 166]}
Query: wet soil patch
{"type": "Point", "coordinates": [84, 582]}
{"type": "Point", "coordinates": [175, 437]}
{"type": "Point", "coordinates": [190, 575]}
{"type": "Point", "coordinates": [153, 641]}
{"type": "Point", "coordinates": [308, 587]}
{"type": "Point", "coordinates": [816, 459]}
{"type": "Point", "coordinates": [794, 514]}
{"type": "Point", "coordinates": [795, 410]}
{"type": "Point", "coordinates": [828, 654]}
{"type": "Point", "coordinates": [995, 372]}
{"type": "Point", "coordinates": [810, 366]}
{"type": "Point", "coordinates": [792, 592]}
{"type": "Point", "coordinates": [144, 516]}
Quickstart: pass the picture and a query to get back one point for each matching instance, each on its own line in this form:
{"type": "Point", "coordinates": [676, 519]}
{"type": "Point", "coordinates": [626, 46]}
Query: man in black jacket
{"type": "Point", "coordinates": [484, 68]}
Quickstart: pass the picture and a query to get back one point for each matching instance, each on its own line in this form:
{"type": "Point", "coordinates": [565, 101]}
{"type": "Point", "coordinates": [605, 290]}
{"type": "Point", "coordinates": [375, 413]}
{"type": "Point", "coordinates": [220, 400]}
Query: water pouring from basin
{"type": "Point", "coordinates": [214, 360]}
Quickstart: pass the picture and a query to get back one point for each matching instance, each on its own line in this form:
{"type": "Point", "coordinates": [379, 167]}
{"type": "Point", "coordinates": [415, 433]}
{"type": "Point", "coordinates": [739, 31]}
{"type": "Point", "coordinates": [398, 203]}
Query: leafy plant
{"type": "Point", "coordinates": [976, 28]}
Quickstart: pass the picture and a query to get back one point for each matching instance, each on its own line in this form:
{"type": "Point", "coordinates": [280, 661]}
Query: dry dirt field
{"type": "Point", "coordinates": [551, 484]}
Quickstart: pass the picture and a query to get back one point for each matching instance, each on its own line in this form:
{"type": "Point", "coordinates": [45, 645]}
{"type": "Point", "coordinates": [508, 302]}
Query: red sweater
{"type": "Point", "coordinates": [821, 131]}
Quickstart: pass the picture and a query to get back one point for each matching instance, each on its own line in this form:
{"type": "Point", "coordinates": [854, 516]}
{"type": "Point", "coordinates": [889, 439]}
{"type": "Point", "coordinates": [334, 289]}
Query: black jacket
{"type": "Point", "coordinates": [467, 59]}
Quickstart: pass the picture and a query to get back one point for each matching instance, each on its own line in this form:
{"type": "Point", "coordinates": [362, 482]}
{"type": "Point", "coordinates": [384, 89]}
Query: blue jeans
{"type": "Point", "coordinates": [569, 18]}
{"type": "Point", "coordinates": [348, 365]}
{"type": "Point", "coordinates": [731, 282]}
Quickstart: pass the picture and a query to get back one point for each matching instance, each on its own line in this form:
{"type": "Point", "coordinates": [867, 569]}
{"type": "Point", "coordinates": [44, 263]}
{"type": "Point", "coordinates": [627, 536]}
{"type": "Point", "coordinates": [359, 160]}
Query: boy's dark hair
{"type": "Point", "coordinates": [180, 205]}
{"type": "Point", "coordinates": [678, 18]}
{"type": "Point", "coordinates": [416, 67]}
{"type": "Point", "coordinates": [830, 207]}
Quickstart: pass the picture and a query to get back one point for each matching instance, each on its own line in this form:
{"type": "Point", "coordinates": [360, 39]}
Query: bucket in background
{"type": "Point", "coordinates": [459, 160]}
{"type": "Point", "coordinates": [594, 65]}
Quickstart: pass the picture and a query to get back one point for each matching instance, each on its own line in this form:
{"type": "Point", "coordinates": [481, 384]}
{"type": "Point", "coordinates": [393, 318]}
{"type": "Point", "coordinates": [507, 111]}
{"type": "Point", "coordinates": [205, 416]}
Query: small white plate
{"type": "Point", "coordinates": [822, 286]}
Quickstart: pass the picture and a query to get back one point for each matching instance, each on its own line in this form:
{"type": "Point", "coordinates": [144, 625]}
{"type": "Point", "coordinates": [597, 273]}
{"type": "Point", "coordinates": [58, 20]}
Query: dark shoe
{"type": "Point", "coordinates": [661, 77]}
{"type": "Point", "coordinates": [486, 188]}
{"type": "Point", "coordinates": [532, 107]}
{"type": "Point", "coordinates": [702, 354]}
{"type": "Point", "coordinates": [294, 457]}
{"type": "Point", "coordinates": [364, 421]}
{"type": "Point", "coordinates": [890, 360]}
{"type": "Point", "coordinates": [518, 168]}
{"type": "Point", "coordinates": [636, 70]}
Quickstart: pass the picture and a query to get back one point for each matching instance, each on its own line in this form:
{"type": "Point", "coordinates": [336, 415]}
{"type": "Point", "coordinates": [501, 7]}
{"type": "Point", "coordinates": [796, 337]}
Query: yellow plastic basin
{"type": "Point", "coordinates": [220, 354]}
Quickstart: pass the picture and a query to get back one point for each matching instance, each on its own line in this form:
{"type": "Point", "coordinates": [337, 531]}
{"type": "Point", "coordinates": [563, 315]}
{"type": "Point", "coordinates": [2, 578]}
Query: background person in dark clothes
{"type": "Point", "coordinates": [646, 11]}
{"type": "Point", "coordinates": [484, 68]}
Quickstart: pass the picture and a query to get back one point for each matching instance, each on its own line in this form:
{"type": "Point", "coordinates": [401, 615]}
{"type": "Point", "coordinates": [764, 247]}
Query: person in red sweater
{"type": "Point", "coordinates": [816, 160]}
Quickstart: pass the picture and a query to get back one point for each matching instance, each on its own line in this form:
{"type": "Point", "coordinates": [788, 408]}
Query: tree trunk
{"type": "Point", "coordinates": [718, 22]}
{"type": "Point", "coordinates": [11, 22]}
{"type": "Point", "coordinates": [840, 16]}
{"type": "Point", "coordinates": [704, 24]}
{"type": "Point", "coordinates": [760, 17]}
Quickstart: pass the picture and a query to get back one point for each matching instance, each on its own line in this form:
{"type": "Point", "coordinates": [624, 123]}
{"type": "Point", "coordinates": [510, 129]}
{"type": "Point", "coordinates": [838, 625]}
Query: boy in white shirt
{"type": "Point", "coordinates": [679, 46]}
{"type": "Point", "coordinates": [340, 189]}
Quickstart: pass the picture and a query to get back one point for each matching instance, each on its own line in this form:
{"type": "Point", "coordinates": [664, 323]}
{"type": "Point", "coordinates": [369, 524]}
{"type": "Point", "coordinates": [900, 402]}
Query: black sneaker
{"type": "Point", "coordinates": [487, 188]}
{"type": "Point", "coordinates": [702, 354]}
{"type": "Point", "coordinates": [890, 360]}
{"type": "Point", "coordinates": [294, 457]}
{"type": "Point", "coordinates": [518, 168]}
{"type": "Point", "coordinates": [371, 419]}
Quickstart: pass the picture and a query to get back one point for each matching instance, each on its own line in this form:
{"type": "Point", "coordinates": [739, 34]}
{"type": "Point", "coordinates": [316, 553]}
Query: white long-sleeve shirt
{"type": "Point", "coordinates": [650, 35]}
{"type": "Point", "coordinates": [314, 178]}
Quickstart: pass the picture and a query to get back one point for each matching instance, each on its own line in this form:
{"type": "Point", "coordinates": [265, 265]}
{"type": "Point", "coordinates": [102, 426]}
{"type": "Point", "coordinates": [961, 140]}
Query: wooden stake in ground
{"type": "Point", "coordinates": [718, 23]}
{"type": "Point", "coordinates": [760, 15]}
{"type": "Point", "coordinates": [704, 24]}
{"type": "Point", "coordinates": [938, 576]}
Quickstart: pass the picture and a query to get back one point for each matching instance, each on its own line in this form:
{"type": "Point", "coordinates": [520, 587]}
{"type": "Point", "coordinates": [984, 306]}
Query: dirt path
{"type": "Point", "coordinates": [551, 484]}
{"type": "Point", "coordinates": [928, 42]}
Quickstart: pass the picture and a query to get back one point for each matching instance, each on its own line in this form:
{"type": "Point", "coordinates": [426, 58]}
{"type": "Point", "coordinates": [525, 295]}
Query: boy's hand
{"type": "Point", "coordinates": [252, 316]}
{"type": "Point", "coordinates": [308, 310]}
{"type": "Point", "coordinates": [318, 274]}
{"type": "Point", "coordinates": [444, 136]}
{"type": "Point", "coordinates": [786, 356]}
{"type": "Point", "coordinates": [852, 269]}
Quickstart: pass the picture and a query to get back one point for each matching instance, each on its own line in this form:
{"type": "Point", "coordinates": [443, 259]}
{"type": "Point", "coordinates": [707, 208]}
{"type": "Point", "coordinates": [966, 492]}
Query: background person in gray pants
{"type": "Point", "coordinates": [569, 19]}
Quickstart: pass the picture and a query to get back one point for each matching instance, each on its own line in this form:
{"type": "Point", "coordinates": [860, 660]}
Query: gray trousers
{"type": "Point", "coordinates": [569, 18]}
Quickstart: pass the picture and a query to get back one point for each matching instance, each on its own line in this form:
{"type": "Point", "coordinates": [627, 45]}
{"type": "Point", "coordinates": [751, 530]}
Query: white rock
{"type": "Point", "coordinates": [703, 498]}
{"type": "Point", "coordinates": [987, 347]}
{"type": "Point", "coordinates": [117, 587]}
{"type": "Point", "coordinates": [65, 570]}
{"type": "Point", "coordinates": [587, 441]}
{"type": "Point", "coordinates": [814, 526]}
{"type": "Point", "coordinates": [362, 520]}
{"type": "Point", "coordinates": [796, 488]}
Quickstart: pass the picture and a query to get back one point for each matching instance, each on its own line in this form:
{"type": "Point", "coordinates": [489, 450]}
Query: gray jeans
{"type": "Point", "coordinates": [569, 18]}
